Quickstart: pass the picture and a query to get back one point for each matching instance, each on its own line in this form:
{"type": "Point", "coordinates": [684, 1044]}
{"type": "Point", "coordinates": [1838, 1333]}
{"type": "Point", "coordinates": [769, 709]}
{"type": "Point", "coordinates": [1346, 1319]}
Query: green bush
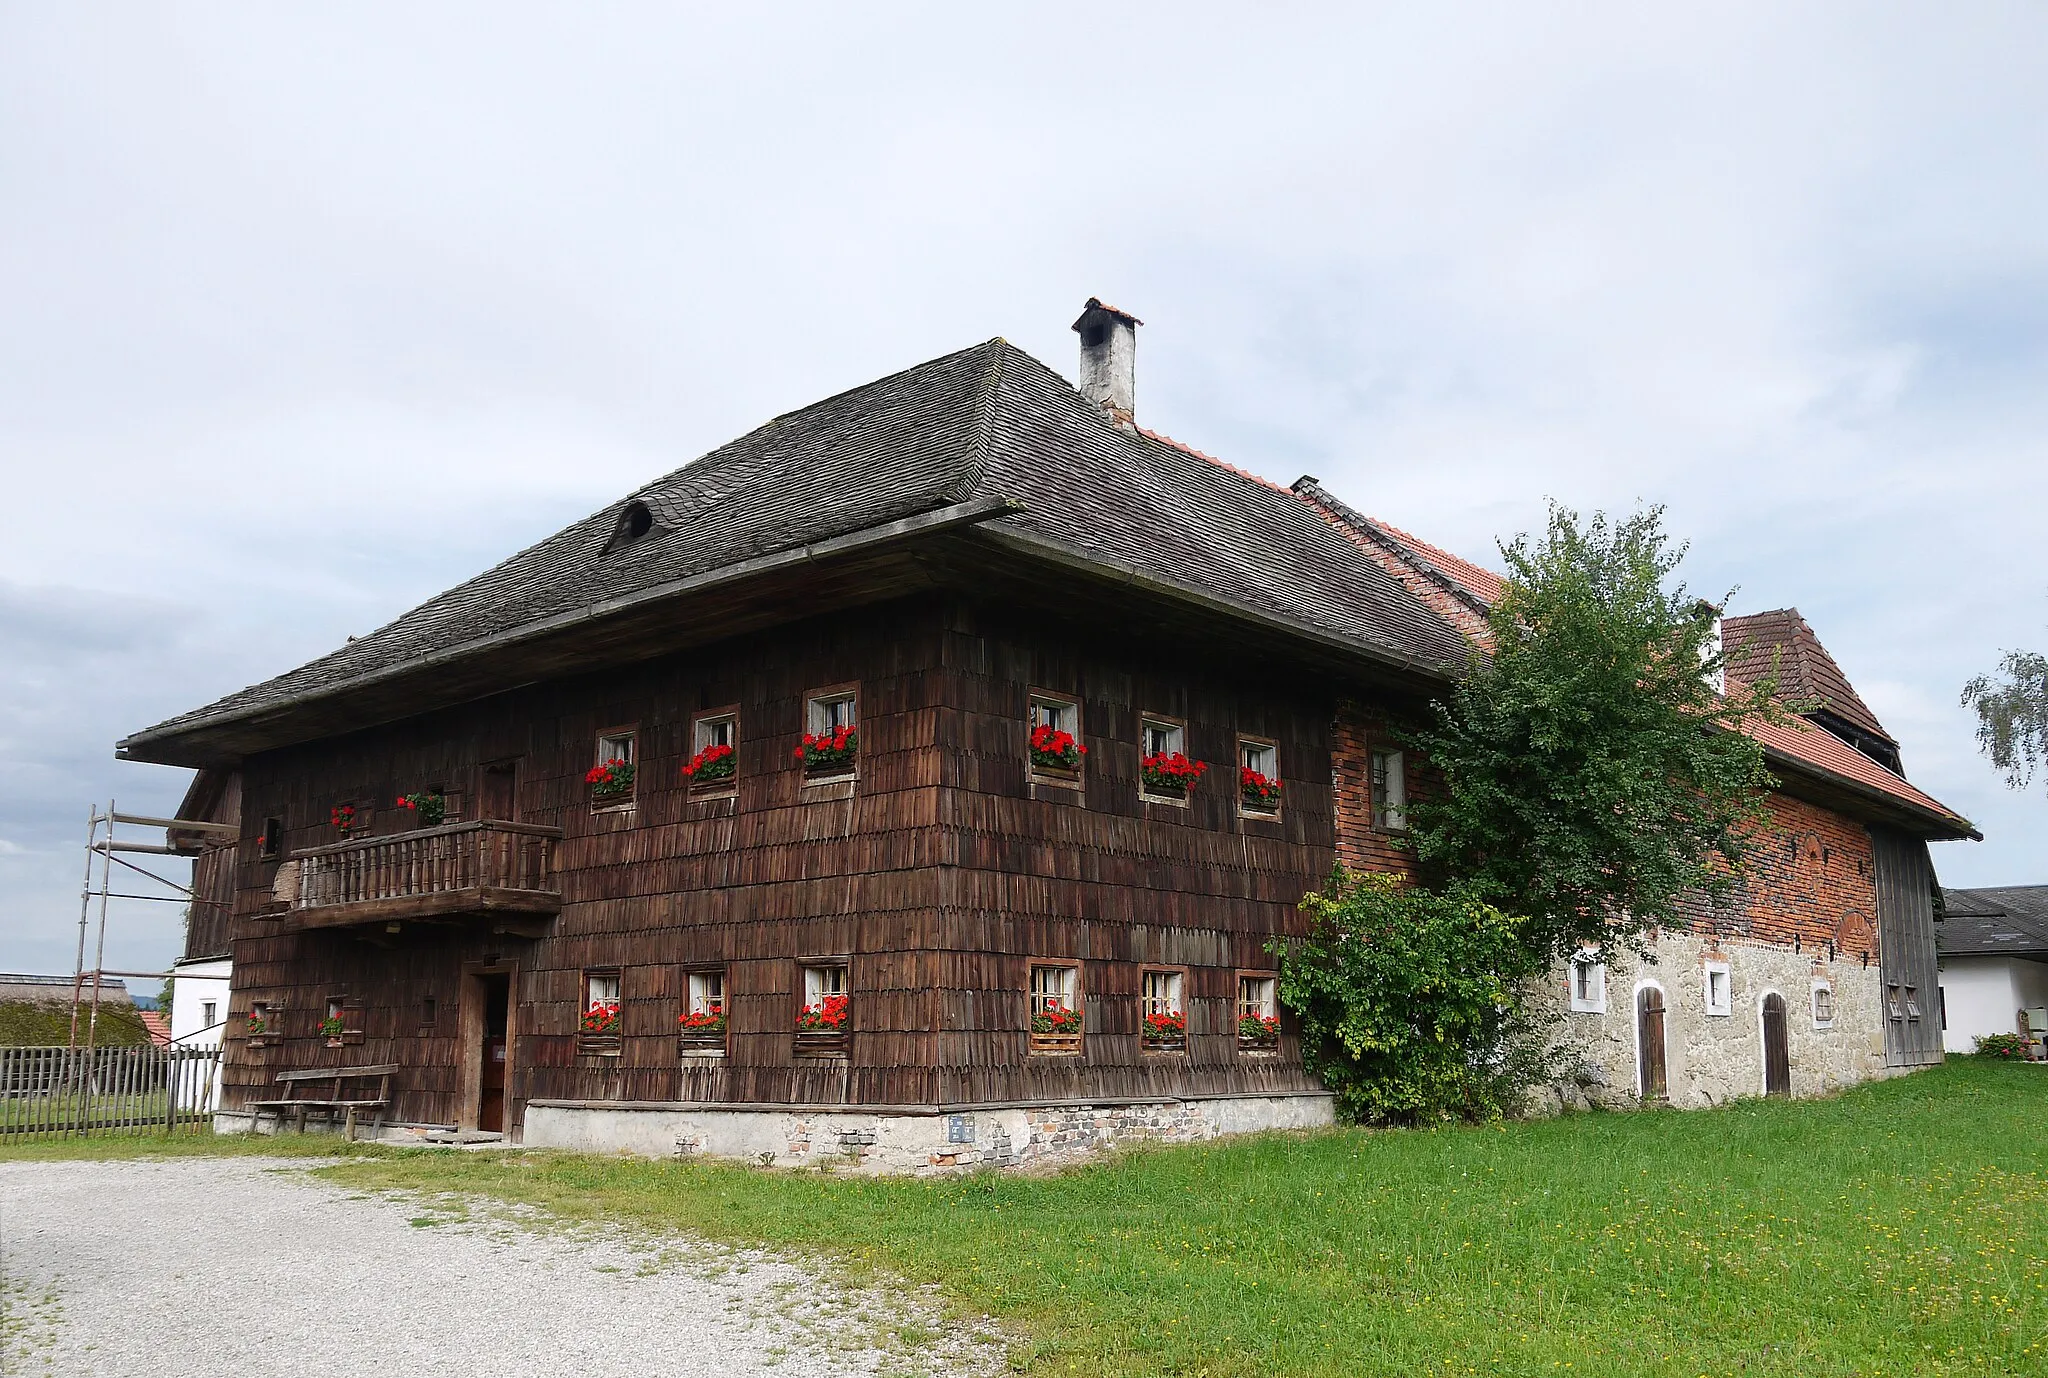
{"type": "Point", "coordinates": [2009, 1046]}
{"type": "Point", "coordinates": [47, 1024]}
{"type": "Point", "coordinates": [1412, 1004]}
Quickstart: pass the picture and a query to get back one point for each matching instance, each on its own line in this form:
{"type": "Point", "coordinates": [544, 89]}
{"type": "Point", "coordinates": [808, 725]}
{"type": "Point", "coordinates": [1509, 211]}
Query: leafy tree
{"type": "Point", "coordinates": [1594, 776]}
{"type": "Point", "coordinates": [1411, 1002]}
{"type": "Point", "coordinates": [2012, 715]}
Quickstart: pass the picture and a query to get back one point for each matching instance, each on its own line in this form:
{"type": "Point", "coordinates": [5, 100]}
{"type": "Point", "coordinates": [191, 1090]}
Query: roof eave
{"type": "Point", "coordinates": [1924, 822]}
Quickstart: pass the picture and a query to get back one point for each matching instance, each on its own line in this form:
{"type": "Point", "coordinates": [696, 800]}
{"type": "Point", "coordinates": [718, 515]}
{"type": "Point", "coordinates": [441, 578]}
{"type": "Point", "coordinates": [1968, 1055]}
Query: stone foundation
{"type": "Point", "coordinates": [899, 1140]}
{"type": "Point", "coordinates": [1714, 1058]}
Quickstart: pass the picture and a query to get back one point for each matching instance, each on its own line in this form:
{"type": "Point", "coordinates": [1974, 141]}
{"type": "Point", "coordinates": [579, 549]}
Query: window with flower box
{"type": "Point", "coordinates": [1056, 1013]}
{"type": "Point", "coordinates": [1389, 791]}
{"type": "Point", "coordinates": [700, 1028]}
{"type": "Point", "coordinates": [343, 1022]}
{"type": "Point", "coordinates": [1258, 778]}
{"type": "Point", "coordinates": [1053, 740]}
{"type": "Point", "coordinates": [598, 1030]}
{"type": "Point", "coordinates": [824, 1020]}
{"type": "Point", "coordinates": [831, 745]}
{"type": "Point", "coordinates": [611, 778]}
{"type": "Point", "coordinates": [713, 767]}
{"type": "Point", "coordinates": [263, 1024]}
{"type": "Point", "coordinates": [1165, 773]}
{"type": "Point", "coordinates": [1258, 1011]}
{"type": "Point", "coordinates": [350, 819]}
{"type": "Point", "coordinates": [1162, 1013]}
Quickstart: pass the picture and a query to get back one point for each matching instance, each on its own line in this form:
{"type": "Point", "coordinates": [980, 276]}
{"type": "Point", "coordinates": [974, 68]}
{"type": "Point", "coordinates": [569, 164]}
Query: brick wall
{"type": "Point", "coordinates": [1359, 731]}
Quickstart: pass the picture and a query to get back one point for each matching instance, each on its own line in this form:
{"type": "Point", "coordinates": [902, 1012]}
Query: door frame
{"type": "Point", "coordinates": [1635, 1014]}
{"type": "Point", "coordinates": [474, 1004]}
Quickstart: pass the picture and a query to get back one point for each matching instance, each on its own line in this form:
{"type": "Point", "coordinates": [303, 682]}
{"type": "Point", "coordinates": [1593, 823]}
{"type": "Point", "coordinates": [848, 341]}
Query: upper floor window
{"type": "Point", "coordinates": [1258, 776]}
{"type": "Point", "coordinates": [270, 842]}
{"type": "Point", "coordinates": [1164, 770]}
{"type": "Point", "coordinates": [714, 751]}
{"type": "Point", "coordinates": [1163, 1021]}
{"type": "Point", "coordinates": [703, 1020]}
{"type": "Point", "coordinates": [611, 778]}
{"type": "Point", "coordinates": [831, 742]}
{"type": "Point", "coordinates": [1258, 1009]}
{"type": "Point", "coordinates": [1056, 1016]}
{"type": "Point", "coordinates": [1054, 740]}
{"type": "Point", "coordinates": [1389, 791]}
{"type": "Point", "coordinates": [825, 1018]}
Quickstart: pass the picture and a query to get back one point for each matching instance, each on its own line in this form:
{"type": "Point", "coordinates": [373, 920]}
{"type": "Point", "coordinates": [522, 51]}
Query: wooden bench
{"type": "Point", "coordinates": [335, 1102]}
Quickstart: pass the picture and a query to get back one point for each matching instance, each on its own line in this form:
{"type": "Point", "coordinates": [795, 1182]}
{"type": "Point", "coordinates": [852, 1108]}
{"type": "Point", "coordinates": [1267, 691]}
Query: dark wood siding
{"type": "Point", "coordinates": [936, 874]}
{"type": "Point", "coordinates": [1905, 946]}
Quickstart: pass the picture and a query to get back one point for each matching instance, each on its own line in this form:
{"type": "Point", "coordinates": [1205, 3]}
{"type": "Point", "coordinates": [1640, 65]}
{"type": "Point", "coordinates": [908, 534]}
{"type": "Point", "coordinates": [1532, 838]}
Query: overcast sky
{"type": "Point", "coordinates": [311, 314]}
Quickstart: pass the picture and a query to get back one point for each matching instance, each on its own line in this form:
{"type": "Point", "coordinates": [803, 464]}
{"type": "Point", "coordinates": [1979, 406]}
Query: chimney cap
{"type": "Point", "coordinates": [1096, 304]}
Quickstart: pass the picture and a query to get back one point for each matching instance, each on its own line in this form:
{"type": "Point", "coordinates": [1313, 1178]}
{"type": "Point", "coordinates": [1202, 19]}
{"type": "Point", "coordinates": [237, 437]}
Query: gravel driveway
{"type": "Point", "coordinates": [250, 1267]}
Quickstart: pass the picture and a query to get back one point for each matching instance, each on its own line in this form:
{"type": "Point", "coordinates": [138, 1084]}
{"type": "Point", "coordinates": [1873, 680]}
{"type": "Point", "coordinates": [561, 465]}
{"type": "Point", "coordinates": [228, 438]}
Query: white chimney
{"type": "Point", "coordinates": [1109, 360]}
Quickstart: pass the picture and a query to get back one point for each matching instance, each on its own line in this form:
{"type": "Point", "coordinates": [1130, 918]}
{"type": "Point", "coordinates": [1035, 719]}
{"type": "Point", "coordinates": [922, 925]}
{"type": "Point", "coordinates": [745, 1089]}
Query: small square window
{"type": "Point", "coordinates": [1389, 791]}
{"type": "Point", "coordinates": [599, 1028]}
{"type": "Point", "coordinates": [831, 742]}
{"type": "Point", "coordinates": [1589, 986]}
{"type": "Point", "coordinates": [262, 1021]}
{"type": "Point", "coordinates": [1719, 989]}
{"type": "Point", "coordinates": [1164, 770]}
{"type": "Point", "coordinates": [714, 753]}
{"type": "Point", "coordinates": [1823, 1006]}
{"type": "Point", "coordinates": [825, 1017]}
{"type": "Point", "coordinates": [1056, 1014]}
{"type": "Point", "coordinates": [206, 1013]}
{"type": "Point", "coordinates": [1053, 738]}
{"type": "Point", "coordinates": [611, 776]}
{"type": "Point", "coordinates": [703, 1022]}
{"type": "Point", "coordinates": [1163, 1017]}
{"type": "Point", "coordinates": [1258, 1010]}
{"type": "Point", "coordinates": [1258, 776]}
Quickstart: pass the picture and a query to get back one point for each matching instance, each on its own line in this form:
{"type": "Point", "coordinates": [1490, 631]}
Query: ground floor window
{"type": "Point", "coordinates": [1589, 985]}
{"type": "Point", "coordinates": [598, 1031]}
{"type": "Point", "coordinates": [702, 1022]}
{"type": "Point", "coordinates": [1163, 1021]}
{"type": "Point", "coordinates": [1823, 1005]}
{"type": "Point", "coordinates": [1056, 1016]}
{"type": "Point", "coordinates": [825, 1018]}
{"type": "Point", "coordinates": [1719, 988]}
{"type": "Point", "coordinates": [1258, 1010]}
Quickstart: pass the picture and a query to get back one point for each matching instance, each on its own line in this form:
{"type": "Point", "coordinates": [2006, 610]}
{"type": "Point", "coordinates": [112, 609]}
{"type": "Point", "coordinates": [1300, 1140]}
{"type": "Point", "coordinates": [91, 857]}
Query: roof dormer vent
{"type": "Point", "coordinates": [634, 521]}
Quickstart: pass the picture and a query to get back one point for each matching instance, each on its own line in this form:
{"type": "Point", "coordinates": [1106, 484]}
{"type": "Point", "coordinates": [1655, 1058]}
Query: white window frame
{"type": "Point", "coordinates": [1262, 755]}
{"type": "Point", "coordinates": [824, 979]}
{"type": "Point", "coordinates": [1594, 1000]}
{"type": "Point", "coordinates": [1162, 990]}
{"type": "Point", "coordinates": [1265, 994]}
{"type": "Point", "coordinates": [616, 746]}
{"type": "Point", "coordinates": [1055, 983]}
{"type": "Point", "coordinates": [1822, 988]}
{"type": "Point", "coordinates": [704, 732]}
{"type": "Point", "coordinates": [828, 711]}
{"type": "Point", "coordinates": [1725, 1006]}
{"type": "Point", "coordinates": [706, 988]}
{"type": "Point", "coordinates": [1387, 782]}
{"type": "Point", "coordinates": [600, 987]}
{"type": "Point", "coordinates": [1173, 735]}
{"type": "Point", "coordinates": [1050, 710]}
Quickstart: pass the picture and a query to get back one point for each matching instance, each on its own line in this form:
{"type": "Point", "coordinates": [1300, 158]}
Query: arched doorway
{"type": "Point", "coordinates": [1777, 1051]}
{"type": "Point", "coordinates": [1650, 1080]}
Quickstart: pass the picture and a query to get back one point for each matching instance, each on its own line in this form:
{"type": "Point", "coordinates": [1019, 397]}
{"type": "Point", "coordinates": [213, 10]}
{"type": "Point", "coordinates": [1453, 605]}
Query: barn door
{"type": "Point", "coordinates": [1777, 1053]}
{"type": "Point", "coordinates": [1650, 1043]}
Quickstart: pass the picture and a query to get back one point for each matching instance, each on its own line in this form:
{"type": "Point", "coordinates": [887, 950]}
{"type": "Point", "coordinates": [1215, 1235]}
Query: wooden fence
{"type": "Point", "coordinates": [54, 1092]}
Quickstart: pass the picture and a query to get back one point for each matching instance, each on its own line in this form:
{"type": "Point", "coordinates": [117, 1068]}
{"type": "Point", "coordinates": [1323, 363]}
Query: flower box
{"type": "Point", "coordinates": [430, 806]}
{"type": "Point", "coordinates": [1259, 793]}
{"type": "Point", "coordinates": [611, 782]}
{"type": "Point", "coordinates": [344, 819]}
{"type": "Point", "coordinates": [1056, 753]}
{"type": "Point", "coordinates": [701, 1031]}
{"type": "Point", "coordinates": [1258, 1031]}
{"type": "Point", "coordinates": [1164, 1031]}
{"type": "Point", "coordinates": [712, 769]}
{"type": "Point", "coordinates": [1056, 1029]}
{"type": "Point", "coordinates": [829, 753]}
{"type": "Point", "coordinates": [598, 1034]}
{"type": "Point", "coordinates": [1170, 774]}
{"type": "Point", "coordinates": [821, 1029]}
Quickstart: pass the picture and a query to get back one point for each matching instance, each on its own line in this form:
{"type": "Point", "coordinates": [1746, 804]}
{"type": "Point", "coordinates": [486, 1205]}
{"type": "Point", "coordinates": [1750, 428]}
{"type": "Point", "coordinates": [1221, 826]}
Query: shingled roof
{"type": "Point", "coordinates": [1805, 669]}
{"type": "Point", "coordinates": [2004, 921]}
{"type": "Point", "coordinates": [989, 434]}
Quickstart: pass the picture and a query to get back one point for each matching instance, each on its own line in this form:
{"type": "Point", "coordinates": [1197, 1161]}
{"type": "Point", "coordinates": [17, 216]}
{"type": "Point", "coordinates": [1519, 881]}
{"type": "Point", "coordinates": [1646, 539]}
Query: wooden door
{"type": "Point", "coordinates": [1650, 1044]}
{"type": "Point", "coordinates": [498, 792]}
{"type": "Point", "coordinates": [490, 1110]}
{"type": "Point", "coordinates": [1777, 1052]}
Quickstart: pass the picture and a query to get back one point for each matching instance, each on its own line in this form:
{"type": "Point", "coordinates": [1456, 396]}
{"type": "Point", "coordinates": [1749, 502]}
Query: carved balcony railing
{"type": "Point", "coordinates": [455, 873]}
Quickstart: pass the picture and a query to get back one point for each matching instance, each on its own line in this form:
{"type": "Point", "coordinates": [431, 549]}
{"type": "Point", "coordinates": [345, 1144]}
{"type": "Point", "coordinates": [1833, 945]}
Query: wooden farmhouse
{"type": "Point", "coordinates": [922, 780]}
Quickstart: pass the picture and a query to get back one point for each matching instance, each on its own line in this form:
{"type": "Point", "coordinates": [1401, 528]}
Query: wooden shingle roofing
{"type": "Point", "coordinates": [987, 436]}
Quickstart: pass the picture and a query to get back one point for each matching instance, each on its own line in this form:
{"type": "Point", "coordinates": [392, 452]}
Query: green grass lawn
{"type": "Point", "coordinates": [1899, 1229]}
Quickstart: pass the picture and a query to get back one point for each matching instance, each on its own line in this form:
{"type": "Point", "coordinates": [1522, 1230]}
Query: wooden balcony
{"type": "Point", "coordinates": [489, 873]}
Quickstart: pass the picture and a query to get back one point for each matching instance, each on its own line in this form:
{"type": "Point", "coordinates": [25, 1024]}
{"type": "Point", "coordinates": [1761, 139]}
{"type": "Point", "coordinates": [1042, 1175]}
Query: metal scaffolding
{"type": "Point", "coordinates": [102, 842]}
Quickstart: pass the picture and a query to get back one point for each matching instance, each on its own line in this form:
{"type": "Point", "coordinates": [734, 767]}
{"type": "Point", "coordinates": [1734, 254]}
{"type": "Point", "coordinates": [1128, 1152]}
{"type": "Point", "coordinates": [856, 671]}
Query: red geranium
{"type": "Point", "coordinates": [705, 1023]}
{"type": "Point", "coordinates": [611, 779]}
{"type": "Point", "coordinates": [828, 1016]}
{"type": "Point", "coordinates": [1170, 771]}
{"type": "Point", "coordinates": [712, 763]}
{"type": "Point", "coordinates": [601, 1018]}
{"type": "Point", "coordinates": [1057, 1019]}
{"type": "Point", "coordinates": [343, 817]}
{"type": "Point", "coordinates": [823, 749]}
{"type": "Point", "coordinates": [1258, 1028]}
{"type": "Point", "coordinates": [1163, 1025]}
{"type": "Point", "coordinates": [1260, 791]}
{"type": "Point", "coordinates": [1054, 748]}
